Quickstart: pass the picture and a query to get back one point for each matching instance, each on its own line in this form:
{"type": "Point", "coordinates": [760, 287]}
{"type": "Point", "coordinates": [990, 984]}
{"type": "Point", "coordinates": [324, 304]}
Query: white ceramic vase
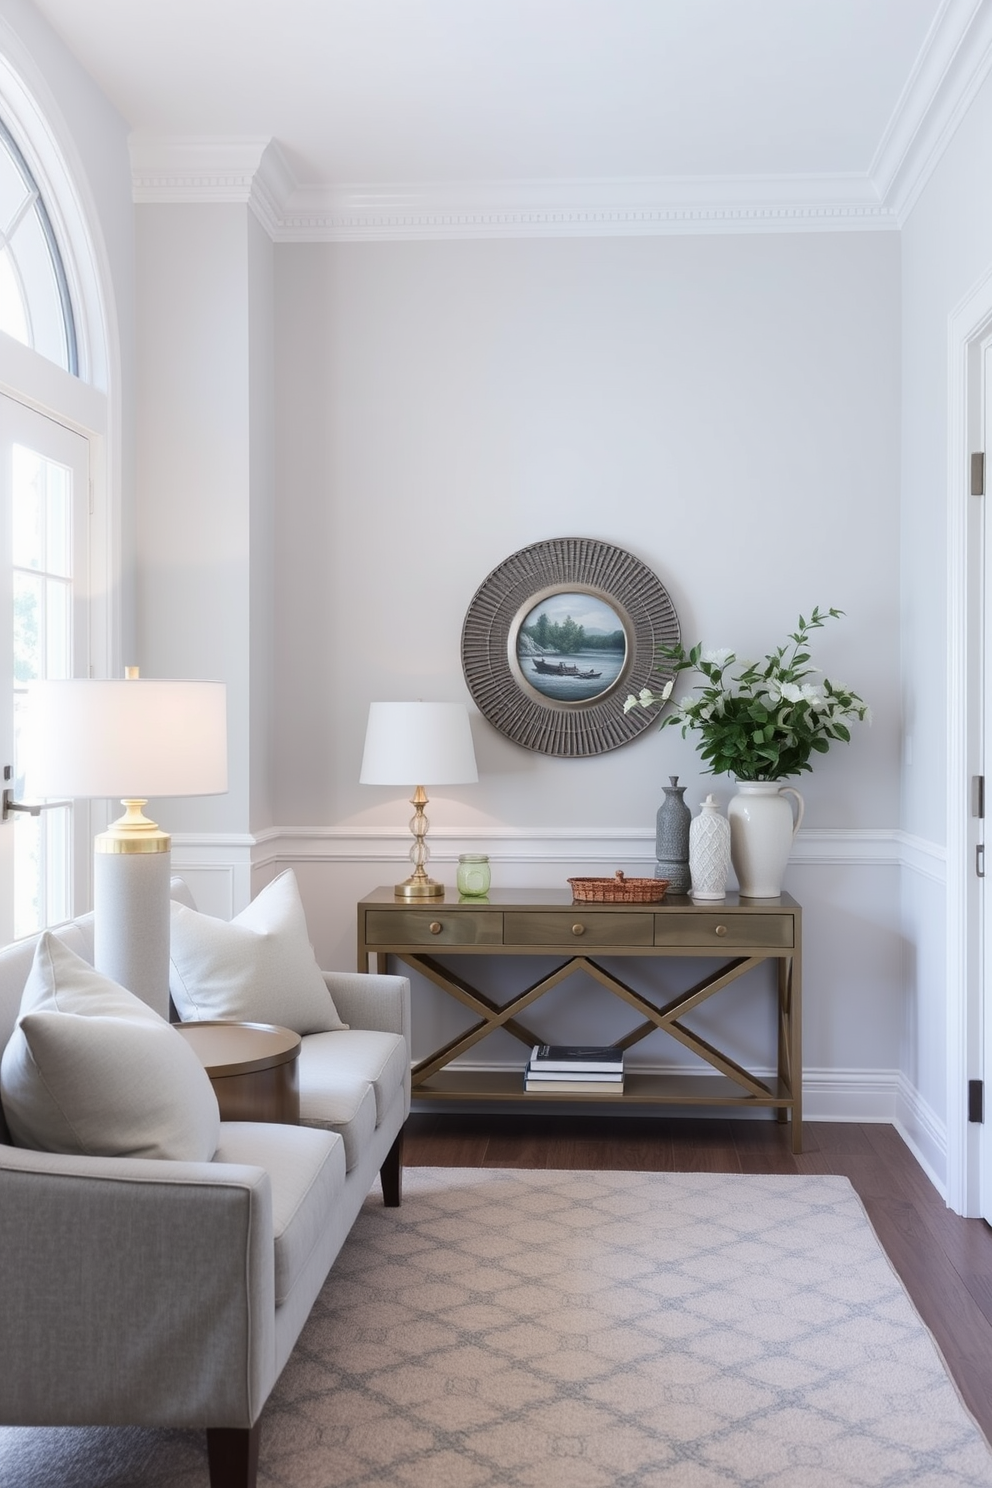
{"type": "Point", "coordinates": [763, 824]}
{"type": "Point", "coordinates": [709, 852]}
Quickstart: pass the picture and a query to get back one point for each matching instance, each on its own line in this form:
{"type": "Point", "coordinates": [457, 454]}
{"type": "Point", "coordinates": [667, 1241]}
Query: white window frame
{"type": "Point", "coordinates": [89, 401]}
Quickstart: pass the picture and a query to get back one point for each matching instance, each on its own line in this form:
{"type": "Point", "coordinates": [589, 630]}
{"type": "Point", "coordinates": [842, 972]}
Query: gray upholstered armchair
{"type": "Point", "coordinates": [141, 1291]}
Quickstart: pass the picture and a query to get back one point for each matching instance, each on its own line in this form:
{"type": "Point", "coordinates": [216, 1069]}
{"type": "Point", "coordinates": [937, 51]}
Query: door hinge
{"type": "Point", "coordinates": [978, 473]}
{"type": "Point", "coordinates": [980, 860]}
{"type": "Point", "coordinates": [978, 796]}
{"type": "Point", "coordinates": [976, 1100]}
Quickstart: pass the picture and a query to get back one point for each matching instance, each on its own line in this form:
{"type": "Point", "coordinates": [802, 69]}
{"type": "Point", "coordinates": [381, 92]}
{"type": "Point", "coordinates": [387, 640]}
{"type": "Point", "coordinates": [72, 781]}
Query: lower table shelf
{"type": "Point", "coordinates": [639, 1088]}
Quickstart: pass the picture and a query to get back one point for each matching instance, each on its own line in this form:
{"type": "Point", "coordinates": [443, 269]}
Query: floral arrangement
{"type": "Point", "coordinates": [757, 720]}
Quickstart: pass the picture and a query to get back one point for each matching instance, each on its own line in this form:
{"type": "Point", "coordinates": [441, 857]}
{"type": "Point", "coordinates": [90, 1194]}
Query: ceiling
{"type": "Point", "coordinates": [373, 96]}
{"type": "Point", "coordinates": [455, 90]}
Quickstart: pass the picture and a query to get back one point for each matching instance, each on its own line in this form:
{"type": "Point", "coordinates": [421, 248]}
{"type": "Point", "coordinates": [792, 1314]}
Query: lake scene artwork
{"type": "Point", "coordinates": [571, 647]}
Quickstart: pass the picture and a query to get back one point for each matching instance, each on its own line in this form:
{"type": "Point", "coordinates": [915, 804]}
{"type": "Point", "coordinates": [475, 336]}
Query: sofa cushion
{"type": "Point", "coordinates": [306, 1170]}
{"type": "Point", "coordinates": [344, 1105]}
{"type": "Point", "coordinates": [257, 968]}
{"type": "Point", "coordinates": [91, 1069]}
{"type": "Point", "coordinates": [331, 1064]}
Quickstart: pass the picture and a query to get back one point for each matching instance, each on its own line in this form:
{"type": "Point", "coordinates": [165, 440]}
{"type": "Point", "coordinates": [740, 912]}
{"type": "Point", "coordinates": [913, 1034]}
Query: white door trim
{"type": "Point", "coordinates": [970, 324]}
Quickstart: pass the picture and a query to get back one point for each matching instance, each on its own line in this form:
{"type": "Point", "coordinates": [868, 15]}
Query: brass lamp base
{"type": "Point", "coordinates": [414, 888]}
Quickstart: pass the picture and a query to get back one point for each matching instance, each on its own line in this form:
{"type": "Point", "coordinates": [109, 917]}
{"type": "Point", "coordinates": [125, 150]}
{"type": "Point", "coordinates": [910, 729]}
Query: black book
{"type": "Point", "coordinates": [569, 1058]}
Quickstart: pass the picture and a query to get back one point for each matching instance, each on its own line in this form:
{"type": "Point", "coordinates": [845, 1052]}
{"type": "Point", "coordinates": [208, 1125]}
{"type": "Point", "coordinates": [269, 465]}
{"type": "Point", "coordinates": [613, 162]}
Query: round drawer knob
{"type": "Point", "coordinates": [578, 929]}
{"type": "Point", "coordinates": [720, 930]}
{"type": "Point", "coordinates": [435, 927]}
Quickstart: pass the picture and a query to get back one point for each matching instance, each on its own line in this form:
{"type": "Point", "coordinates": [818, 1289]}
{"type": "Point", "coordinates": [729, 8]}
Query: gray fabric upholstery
{"type": "Point", "coordinates": [331, 1063]}
{"type": "Point", "coordinates": [347, 1107]}
{"type": "Point", "coordinates": [306, 1173]}
{"type": "Point", "coordinates": [136, 1291]}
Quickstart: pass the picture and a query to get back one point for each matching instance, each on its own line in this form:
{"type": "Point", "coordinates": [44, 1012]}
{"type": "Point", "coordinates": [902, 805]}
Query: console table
{"type": "Point", "coordinates": [742, 933]}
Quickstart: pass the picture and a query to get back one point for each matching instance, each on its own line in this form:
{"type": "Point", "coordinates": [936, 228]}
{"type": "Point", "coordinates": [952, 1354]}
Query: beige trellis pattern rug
{"type": "Point", "coordinates": [535, 1329]}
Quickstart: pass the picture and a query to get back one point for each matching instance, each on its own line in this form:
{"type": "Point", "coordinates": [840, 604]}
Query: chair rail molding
{"type": "Point", "coordinates": [609, 846]}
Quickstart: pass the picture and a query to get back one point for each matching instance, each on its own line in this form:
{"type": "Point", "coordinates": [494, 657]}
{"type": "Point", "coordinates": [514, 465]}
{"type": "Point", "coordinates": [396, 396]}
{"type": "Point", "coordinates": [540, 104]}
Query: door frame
{"type": "Point", "coordinates": [969, 332]}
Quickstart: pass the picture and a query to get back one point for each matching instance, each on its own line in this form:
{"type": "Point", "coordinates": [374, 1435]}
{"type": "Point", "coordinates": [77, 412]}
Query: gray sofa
{"type": "Point", "coordinates": [160, 1293]}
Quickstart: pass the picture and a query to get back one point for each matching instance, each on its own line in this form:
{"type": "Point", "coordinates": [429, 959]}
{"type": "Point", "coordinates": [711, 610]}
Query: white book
{"type": "Point", "coordinates": [574, 1087]}
{"type": "Point", "coordinates": [607, 1076]}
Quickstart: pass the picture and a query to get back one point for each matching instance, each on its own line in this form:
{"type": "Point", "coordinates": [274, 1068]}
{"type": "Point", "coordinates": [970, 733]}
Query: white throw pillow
{"type": "Point", "coordinates": [91, 1069]}
{"type": "Point", "coordinates": [257, 968]}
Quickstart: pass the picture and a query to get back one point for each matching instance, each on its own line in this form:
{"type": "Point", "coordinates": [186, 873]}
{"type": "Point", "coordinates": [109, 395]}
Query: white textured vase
{"type": "Point", "coordinates": [763, 824]}
{"type": "Point", "coordinates": [709, 851]}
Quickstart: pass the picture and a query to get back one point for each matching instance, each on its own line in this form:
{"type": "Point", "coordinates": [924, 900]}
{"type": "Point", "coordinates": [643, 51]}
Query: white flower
{"type": "Point", "coordinates": [646, 698]}
{"type": "Point", "coordinates": [718, 657]}
{"type": "Point", "coordinates": [790, 692]}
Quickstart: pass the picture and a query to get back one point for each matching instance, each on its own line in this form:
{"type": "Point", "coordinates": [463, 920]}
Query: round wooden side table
{"type": "Point", "coordinates": [252, 1068]}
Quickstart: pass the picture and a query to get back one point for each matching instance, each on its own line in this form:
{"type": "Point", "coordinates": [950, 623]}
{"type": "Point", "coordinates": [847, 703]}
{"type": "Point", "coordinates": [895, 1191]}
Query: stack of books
{"type": "Point", "coordinates": [577, 1069]}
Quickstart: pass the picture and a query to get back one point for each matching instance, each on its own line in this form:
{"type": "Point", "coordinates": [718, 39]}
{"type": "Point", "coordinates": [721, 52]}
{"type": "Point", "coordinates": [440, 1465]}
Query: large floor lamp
{"type": "Point", "coordinates": [131, 738]}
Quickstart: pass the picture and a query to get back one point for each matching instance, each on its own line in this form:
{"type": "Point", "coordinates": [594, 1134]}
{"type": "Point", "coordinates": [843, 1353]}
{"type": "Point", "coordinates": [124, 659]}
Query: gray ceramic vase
{"type": "Point", "coordinates": [672, 839]}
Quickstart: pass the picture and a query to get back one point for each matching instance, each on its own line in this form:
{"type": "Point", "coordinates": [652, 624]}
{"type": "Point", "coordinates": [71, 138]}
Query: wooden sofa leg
{"type": "Point", "coordinates": [232, 1452]}
{"type": "Point", "coordinates": [391, 1174]}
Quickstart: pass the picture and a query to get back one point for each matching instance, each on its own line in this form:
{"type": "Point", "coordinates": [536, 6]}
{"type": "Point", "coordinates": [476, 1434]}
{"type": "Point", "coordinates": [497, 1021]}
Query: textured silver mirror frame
{"type": "Point", "coordinates": [570, 730]}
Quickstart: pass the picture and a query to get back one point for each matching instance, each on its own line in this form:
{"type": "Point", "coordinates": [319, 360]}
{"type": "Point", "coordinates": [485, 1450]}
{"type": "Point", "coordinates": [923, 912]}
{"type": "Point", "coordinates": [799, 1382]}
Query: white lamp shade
{"type": "Point", "coordinates": [136, 738]}
{"type": "Point", "coordinates": [418, 744]}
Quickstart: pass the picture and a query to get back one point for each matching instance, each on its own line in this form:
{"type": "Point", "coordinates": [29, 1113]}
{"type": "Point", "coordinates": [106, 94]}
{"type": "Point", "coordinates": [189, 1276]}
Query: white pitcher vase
{"type": "Point", "coordinates": [763, 825]}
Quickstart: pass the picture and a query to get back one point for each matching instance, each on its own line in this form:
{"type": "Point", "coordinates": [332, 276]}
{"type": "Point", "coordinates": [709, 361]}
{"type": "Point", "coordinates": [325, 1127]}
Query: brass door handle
{"type": "Point", "coordinates": [578, 929]}
{"type": "Point", "coordinates": [435, 927]}
{"type": "Point", "coordinates": [720, 930]}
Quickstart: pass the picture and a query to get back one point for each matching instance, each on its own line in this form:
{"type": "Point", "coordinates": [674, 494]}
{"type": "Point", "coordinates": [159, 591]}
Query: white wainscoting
{"type": "Point", "coordinates": [337, 867]}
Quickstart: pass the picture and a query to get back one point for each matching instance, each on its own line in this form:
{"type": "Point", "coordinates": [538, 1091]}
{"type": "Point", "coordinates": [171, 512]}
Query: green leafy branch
{"type": "Point", "coordinates": [757, 720]}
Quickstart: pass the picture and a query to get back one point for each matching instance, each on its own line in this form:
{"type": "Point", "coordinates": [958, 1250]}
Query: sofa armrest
{"type": "Point", "coordinates": [371, 1000]}
{"type": "Point", "coordinates": [134, 1291]}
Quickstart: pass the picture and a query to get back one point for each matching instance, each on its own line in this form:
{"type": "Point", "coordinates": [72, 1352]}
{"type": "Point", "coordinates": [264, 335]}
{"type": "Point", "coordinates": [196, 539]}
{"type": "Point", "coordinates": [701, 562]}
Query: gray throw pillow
{"type": "Point", "coordinates": [91, 1069]}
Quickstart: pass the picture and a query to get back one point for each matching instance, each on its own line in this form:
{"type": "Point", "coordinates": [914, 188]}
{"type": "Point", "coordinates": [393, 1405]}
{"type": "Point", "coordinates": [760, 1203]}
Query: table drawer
{"type": "Point", "coordinates": [723, 930]}
{"type": "Point", "coordinates": [568, 926]}
{"type": "Point", "coordinates": [436, 927]}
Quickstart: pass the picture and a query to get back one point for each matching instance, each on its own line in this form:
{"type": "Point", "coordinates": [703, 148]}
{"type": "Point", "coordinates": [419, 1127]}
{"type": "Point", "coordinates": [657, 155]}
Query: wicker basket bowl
{"type": "Point", "coordinates": [619, 889]}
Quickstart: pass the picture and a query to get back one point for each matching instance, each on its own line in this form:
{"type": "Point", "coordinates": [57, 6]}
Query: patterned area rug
{"type": "Point", "coordinates": [535, 1329]}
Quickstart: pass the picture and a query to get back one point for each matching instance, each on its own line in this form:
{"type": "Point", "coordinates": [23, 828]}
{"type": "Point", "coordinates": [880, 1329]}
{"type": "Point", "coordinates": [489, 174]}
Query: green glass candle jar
{"type": "Point", "coordinates": [473, 877]}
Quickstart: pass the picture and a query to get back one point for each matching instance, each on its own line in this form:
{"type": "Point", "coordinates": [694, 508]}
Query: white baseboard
{"type": "Point", "coordinates": [923, 1132]}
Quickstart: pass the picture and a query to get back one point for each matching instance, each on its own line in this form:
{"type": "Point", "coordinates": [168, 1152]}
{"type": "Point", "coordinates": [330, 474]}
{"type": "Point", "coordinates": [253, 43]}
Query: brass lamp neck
{"type": "Point", "coordinates": [133, 832]}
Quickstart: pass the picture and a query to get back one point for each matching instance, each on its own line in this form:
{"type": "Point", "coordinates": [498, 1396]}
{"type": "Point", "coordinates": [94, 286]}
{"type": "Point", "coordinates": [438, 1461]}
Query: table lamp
{"type": "Point", "coordinates": [418, 744]}
{"type": "Point", "coordinates": [132, 738]}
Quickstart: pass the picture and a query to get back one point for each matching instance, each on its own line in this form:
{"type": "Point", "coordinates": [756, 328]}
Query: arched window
{"type": "Point", "coordinates": [57, 474]}
{"type": "Point", "coordinates": [35, 307]}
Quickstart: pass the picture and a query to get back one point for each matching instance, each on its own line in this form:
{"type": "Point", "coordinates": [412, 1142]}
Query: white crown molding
{"type": "Point", "coordinates": [591, 208]}
{"type": "Point", "coordinates": [166, 168]}
{"type": "Point", "coordinates": [170, 170]}
{"type": "Point", "coordinates": [953, 63]}
{"type": "Point", "coordinates": [951, 67]}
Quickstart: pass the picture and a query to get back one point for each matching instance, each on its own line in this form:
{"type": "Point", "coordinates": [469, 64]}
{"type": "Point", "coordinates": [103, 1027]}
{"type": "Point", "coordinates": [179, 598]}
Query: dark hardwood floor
{"type": "Point", "coordinates": [945, 1261]}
